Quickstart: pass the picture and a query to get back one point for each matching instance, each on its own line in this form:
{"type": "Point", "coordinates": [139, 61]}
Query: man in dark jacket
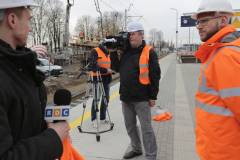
{"type": "Point", "coordinates": [139, 84]}
{"type": "Point", "coordinates": [24, 135]}
{"type": "Point", "coordinates": [100, 60]}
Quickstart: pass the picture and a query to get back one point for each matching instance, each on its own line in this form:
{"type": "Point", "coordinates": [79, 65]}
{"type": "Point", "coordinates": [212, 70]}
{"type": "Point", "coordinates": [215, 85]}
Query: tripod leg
{"type": "Point", "coordinates": [105, 96]}
{"type": "Point", "coordinates": [95, 106]}
{"type": "Point", "coordinates": [105, 100]}
{"type": "Point", "coordinates": [84, 107]}
{"type": "Point", "coordinates": [85, 98]}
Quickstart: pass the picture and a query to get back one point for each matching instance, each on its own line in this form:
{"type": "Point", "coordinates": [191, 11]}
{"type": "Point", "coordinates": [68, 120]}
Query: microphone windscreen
{"type": "Point", "coordinates": [62, 97]}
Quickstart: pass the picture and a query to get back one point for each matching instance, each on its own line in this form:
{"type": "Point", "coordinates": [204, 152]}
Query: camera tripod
{"type": "Point", "coordinates": [95, 86]}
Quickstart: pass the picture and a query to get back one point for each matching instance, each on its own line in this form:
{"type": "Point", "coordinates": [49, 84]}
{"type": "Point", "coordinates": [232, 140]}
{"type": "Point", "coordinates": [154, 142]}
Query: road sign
{"type": "Point", "coordinates": [187, 21]}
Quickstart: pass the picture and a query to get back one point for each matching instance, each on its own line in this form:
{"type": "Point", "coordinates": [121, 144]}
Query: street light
{"type": "Point", "coordinates": [176, 28]}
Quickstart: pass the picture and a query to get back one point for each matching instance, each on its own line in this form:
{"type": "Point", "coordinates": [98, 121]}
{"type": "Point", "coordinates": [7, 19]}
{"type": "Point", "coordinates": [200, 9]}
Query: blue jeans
{"type": "Point", "coordinates": [103, 107]}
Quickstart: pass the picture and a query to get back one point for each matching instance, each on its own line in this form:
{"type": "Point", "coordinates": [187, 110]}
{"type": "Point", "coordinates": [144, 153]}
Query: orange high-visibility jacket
{"type": "Point", "coordinates": [103, 61]}
{"type": "Point", "coordinates": [143, 65]}
{"type": "Point", "coordinates": [218, 98]}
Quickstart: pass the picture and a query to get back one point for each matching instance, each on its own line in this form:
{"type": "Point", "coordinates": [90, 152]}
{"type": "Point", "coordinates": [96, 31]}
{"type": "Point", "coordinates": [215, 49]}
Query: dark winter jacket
{"type": "Point", "coordinates": [131, 90]}
{"type": "Point", "coordinates": [23, 131]}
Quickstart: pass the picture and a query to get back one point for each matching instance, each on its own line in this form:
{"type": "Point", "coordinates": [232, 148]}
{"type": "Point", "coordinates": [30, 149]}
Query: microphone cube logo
{"type": "Point", "coordinates": [57, 112]}
{"type": "Point", "coordinates": [65, 112]}
{"type": "Point", "coordinates": [48, 113]}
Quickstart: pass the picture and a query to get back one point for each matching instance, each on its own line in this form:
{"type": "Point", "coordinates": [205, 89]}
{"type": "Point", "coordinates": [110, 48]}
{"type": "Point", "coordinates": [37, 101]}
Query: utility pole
{"type": "Point", "coordinates": [125, 20]}
{"type": "Point", "coordinates": [66, 34]}
{"type": "Point", "coordinates": [126, 15]}
{"type": "Point", "coordinates": [100, 13]}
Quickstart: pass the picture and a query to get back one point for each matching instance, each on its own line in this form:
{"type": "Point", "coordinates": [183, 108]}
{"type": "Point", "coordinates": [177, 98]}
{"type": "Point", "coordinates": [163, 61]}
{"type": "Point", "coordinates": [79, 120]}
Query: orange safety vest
{"type": "Point", "coordinates": [218, 99]}
{"type": "Point", "coordinates": [144, 66]}
{"type": "Point", "coordinates": [103, 61]}
{"type": "Point", "coordinates": [69, 152]}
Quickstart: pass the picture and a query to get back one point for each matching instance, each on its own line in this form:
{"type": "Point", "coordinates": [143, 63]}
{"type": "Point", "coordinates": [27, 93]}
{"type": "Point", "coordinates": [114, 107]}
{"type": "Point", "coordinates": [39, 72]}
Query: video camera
{"type": "Point", "coordinates": [120, 41]}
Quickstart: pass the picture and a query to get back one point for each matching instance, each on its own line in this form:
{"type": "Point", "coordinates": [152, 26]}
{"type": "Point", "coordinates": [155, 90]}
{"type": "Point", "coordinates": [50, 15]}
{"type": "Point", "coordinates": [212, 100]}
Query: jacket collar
{"type": "Point", "coordinates": [213, 43]}
{"type": "Point", "coordinates": [22, 58]}
{"type": "Point", "coordinates": [104, 49]}
{"type": "Point", "coordinates": [7, 50]}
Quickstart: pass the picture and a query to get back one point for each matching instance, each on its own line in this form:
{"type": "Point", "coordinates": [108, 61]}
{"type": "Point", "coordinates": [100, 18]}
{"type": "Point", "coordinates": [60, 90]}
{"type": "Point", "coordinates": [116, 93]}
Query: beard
{"type": "Point", "coordinates": [135, 44]}
{"type": "Point", "coordinates": [211, 33]}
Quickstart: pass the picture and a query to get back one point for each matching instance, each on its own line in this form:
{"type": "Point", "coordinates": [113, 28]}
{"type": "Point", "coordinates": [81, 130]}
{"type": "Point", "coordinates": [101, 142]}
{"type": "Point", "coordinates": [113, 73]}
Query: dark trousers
{"type": "Point", "coordinates": [142, 110]}
{"type": "Point", "coordinates": [103, 107]}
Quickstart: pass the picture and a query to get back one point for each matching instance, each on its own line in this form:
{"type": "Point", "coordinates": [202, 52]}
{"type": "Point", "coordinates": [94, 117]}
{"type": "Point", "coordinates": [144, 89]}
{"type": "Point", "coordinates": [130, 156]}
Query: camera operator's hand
{"type": "Point", "coordinates": [119, 53]}
{"type": "Point", "coordinates": [62, 128]}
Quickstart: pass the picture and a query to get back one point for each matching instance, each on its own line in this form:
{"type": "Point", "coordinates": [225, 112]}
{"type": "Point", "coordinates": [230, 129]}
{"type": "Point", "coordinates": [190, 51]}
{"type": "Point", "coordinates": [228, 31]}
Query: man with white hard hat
{"type": "Point", "coordinates": [139, 83]}
{"type": "Point", "coordinates": [24, 135]}
{"type": "Point", "coordinates": [218, 95]}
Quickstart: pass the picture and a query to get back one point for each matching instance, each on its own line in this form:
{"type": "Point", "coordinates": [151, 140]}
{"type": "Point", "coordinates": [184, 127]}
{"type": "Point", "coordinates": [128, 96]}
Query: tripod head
{"type": "Point", "coordinates": [91, 66]}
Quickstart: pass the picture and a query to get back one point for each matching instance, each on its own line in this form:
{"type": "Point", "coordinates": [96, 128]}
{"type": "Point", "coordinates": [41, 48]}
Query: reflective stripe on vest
{"type": "Point", "coordinates": [103, 60]}
{"type": "Point", "coordinates": [214, 109]}
{"type": "Point", "coordinates": [224, 93]}
{"type": "Point", "coordinates": [230, 92]}
{"type": "Point", "coordinates": [144, 65]}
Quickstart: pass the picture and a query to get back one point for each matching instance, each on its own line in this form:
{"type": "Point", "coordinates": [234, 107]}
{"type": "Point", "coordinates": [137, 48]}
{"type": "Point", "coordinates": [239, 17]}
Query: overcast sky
{"type": "Point", "coordinates": [156, 14]}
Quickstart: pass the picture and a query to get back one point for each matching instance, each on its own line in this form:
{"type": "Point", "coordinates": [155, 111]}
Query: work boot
{"type": "Point", "coordinates": [131, 154]}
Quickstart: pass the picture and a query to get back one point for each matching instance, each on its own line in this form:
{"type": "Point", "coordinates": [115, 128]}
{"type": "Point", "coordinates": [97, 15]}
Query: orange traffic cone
{"type": "Point", "coordinates": [162, 116]}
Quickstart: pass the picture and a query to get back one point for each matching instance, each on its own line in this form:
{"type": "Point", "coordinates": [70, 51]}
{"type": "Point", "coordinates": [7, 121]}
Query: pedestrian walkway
{"type": "Point", "coordinates": [175, 138]}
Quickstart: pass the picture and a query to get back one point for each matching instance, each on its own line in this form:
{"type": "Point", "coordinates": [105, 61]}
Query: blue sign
{"type": "Point", "coordinates": [65, 112]}
{"type": "Point", "coordinates": [187, 21]}
{"type": "Point", "coordinates": [48, 112]}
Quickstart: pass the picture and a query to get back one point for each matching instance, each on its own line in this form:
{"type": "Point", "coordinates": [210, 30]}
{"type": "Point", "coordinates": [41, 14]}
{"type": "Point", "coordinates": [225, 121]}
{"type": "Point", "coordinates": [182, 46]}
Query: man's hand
{"type": "Point", "coordinates": [119, 53]}
{"type": "Point", "coordinates": [151, 103]}
{"type": "Point", "coordinates": [62, 129]}
{"type": "Point", "coordinates": [110, 71]}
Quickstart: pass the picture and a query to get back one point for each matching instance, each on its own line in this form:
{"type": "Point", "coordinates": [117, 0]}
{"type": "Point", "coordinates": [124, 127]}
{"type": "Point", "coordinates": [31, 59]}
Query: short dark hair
{"type": "Point", "coordinates": [2, 13]}
{"type": "Point", "coordinates": [18, 11]}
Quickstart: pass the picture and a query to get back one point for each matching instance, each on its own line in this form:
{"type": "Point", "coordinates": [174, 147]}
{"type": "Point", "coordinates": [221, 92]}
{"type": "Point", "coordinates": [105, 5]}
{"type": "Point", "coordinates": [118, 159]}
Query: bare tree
{"type": "Point", "coordinates": [48, 23]}
{"type": "Point", "coordinates": [39, 20]}
{"type": "Point", "coordinates": [86, 25]}
{"type": "Point", "coordinates": [113, 23]}
{"type": "Point", "coordinates": [55, 24]}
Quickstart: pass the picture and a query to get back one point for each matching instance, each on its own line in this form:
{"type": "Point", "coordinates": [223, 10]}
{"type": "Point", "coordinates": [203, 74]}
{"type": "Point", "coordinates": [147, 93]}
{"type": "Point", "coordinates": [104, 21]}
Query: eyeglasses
{"type": "Point", "coordinates": [205, 21]}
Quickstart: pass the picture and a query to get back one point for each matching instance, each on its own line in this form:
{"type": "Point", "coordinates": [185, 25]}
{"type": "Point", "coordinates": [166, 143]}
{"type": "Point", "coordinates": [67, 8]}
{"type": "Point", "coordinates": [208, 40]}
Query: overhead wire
{"type": "Point", "coordinates": [109, 6]}
{"type": "Point", "coordinates": [122, 3]}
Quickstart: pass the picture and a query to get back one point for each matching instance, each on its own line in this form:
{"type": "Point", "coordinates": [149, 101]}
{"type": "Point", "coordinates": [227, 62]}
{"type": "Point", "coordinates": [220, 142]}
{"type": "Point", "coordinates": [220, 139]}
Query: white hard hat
{"type": "Point", "coordinates": [4, 4]}
{"type": "Point", "coordinates": [134, 26]}
{"type": "Point", "coordinates": [214, 6]}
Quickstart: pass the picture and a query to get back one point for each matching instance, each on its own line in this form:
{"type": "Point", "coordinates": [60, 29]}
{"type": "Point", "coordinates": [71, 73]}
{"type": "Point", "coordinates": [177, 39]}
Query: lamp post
{"type": "Point", "coordinates": [174, 9]}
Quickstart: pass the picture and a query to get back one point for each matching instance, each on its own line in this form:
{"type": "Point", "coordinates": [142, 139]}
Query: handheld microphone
{"type": "Point", "coordinates": [60, 111]}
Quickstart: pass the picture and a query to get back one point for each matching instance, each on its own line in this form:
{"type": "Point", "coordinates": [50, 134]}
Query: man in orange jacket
{"type": "Point", "coordinates": [100, 61]}
{"type": "Point", "coordinates": [218, 95]}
